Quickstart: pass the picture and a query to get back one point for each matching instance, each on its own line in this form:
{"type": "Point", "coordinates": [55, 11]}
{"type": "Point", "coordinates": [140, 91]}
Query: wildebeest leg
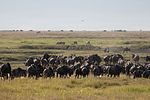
{"type": "Point", "coordinates": [114, 75]}
{"type": "Point", "coordinates": [57, 75]}
{"type": "Point", "coordinates": [111, 75]}
{"type": "Point", "coordinates": [107, 75]}
{"type": "Point", "coordinates": [9, 76]}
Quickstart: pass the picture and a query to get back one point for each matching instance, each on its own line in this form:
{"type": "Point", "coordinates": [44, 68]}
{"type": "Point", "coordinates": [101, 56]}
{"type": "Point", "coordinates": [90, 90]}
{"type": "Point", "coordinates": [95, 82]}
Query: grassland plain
{"type": "Point", "coordinates": [16, 47]}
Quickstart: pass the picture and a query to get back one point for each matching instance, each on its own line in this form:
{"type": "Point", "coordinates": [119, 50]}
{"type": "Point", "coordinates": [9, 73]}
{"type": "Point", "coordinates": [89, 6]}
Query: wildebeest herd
{"type": "Point", "coordinates": [80, 66]}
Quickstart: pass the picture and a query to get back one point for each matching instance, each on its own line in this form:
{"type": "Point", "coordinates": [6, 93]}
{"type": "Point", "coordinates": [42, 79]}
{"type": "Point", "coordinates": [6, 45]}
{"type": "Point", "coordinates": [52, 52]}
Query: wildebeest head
{"type": "Point", "coordinates": [29, 61]}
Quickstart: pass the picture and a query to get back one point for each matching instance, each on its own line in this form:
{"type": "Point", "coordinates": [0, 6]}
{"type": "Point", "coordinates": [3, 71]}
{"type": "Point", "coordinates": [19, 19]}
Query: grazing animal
{"type": "Point", "coordinates": [29, 61]}
{"type": "Point", "coordinates": [63, 71]}
{"type": "Point", "coordinates": [106, 50]}
{"type": "Point", "coordinates": [107, 59]}
{"type": "Point", "coordinates": [126, 49]}
{"type": "Point", "coordinates": [19, 72]}
{"type": "Point", "coordinates": [5, 71]}
{"type": "Point", "coordinates": [85, 71]}
{"type": "Point", "coordinates": [135, 58]}
{"type": "Point", "coordinates": [146, 74]}
{"type": "Point", "coordinates": [82, 71]}
{"type": "Point", "coordinates": [78, 72]}
{"type": "Point", "coordinates": [94, 59]}
{"type": "Point", "coordinates": [46, 56]}
{"type": "Point", "coordinates": [34, 70]}
{"type": "Point", "coordinates": [97, 71]}
{"type": "Point", "coordinates": [147, 58]}
{"type": "Point", "coordinates": [48, 72]}
{"type": "Point", "coordinates": [128, 66]}
{"type": "Point", "coordinates": [137, 73]}
{"type": "Point", "coordinates": [115, 70]}
{"type": "Point", "coordinates": [115, 58]}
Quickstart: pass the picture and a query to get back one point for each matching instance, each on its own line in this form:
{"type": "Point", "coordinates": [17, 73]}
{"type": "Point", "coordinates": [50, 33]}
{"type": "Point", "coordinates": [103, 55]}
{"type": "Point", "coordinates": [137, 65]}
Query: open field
{"type": "Point", "coordinates": [16, 47]}
{"type": "Point", "coordinates": [76, 89]}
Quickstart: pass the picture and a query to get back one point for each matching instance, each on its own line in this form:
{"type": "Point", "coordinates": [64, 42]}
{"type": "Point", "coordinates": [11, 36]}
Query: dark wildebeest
{"type": "Point", "coordinates": [126, 49]}
{"type": "Point", "coordinates": [115, 70]}
{"type": "Point", "coordinates": [135, 58]}
{"type": "Point", "coordinates": [34, 70]}
{"type": "Point", "coordinates": [106, 50]}
{"type": "Point", "coordinates": [85, 71]}
{"type": "Point", "coordinates": [128, 65]}
{"type": "Point", "coordinates": [46, 56]}
{"type": "Point", "coordinates": [48, 72]}
{"type": "Point", "coordinates": [115, 58]}
{"type": "Point", "coordinates": [147, 66]}
{"type": "Point", "coordinates": [5, 71]}
{"type": "Point", "coordinates": [82, 71]}
{"type": "Point", "coordinates": [78, 72]}
{"type": "Point", "coordinates": [146, 74]}
{"type": "Point", "coordinates": [147, 58]}
{"type": "Point", "coordinates": [107, 59]}
{"type": "Point", "coordinates": [44, 63]}
{"type": "Point", "coordinates": [137, 73]}
{"type": "Point", "coordinates": [29, 61]}
{"type": "Point", "coordinates": [97, 70]}
{"type": "Point", "coordinates": [94, 59]}
{"type": "Point", "coordinates": [19, 72]}
{"type": "Point", "coordinates": [63, 71]}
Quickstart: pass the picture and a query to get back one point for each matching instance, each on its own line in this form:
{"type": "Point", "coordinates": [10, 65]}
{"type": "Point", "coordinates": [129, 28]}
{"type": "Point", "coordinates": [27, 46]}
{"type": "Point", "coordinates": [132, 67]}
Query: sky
{"type": "Point", "coordinates": [75, 14]}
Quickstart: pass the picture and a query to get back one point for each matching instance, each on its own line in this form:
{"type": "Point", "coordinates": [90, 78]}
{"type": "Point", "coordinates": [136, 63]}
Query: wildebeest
{"type": "Point", "coordinates": [97, 70]}
{"type": "Point", "coordinates": [29, 61]}
{"type": "Point", "coordinates": [137, 73]}
{"type": "Point", "coordinates": [78, 72]}
{"type": "Point", "coordinates": [106, 50]}
{"type": "Point", "coordinates": [48, 72]}
{"type": "Point", "coordinates": [63, 71]}
{"type": "Point", "coordinates": [115, 58]}
{"type": "Point", "coordinates": [82, 72]}
{"type": "Point", "coordinates": [128, 65]}
{"type": "Point", "coordinates": [80, 66]}
{"type": "Point", "coordinates": [34, 70]}
{"type": "Point", "coordinates": [18, 72]}
{"type": "Point", "coordinates": [107, 59]}
{"type": "Point", "coordinates": [146, 74]}
{"type": "Point", "coordinates": [135, 58]}
{"type": "Point", "coordinates": [126, 49]}
{"type": "Point", "coordinates": [46, 56]}
{"type": "Point", "coordinates": [5, 71]}
{"type": "Point", "coordinates": [115, 70]}
{"type": "Point", "coordinates": [147, 58]}
{"type": "Point", "coordinates": [94, 59]}
{"type": "Point", "coordinates": [85, 71]}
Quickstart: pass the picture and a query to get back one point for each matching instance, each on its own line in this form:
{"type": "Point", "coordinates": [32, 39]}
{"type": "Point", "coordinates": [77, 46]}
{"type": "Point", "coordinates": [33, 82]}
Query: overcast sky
{"type": "Point", "coordinates": [75, 14]}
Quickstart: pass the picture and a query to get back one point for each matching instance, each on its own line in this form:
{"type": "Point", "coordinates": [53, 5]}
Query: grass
{"type": "Point", "coordinates": [91, 88]}
{"type": "Point", "coordinates": [88, 88]}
